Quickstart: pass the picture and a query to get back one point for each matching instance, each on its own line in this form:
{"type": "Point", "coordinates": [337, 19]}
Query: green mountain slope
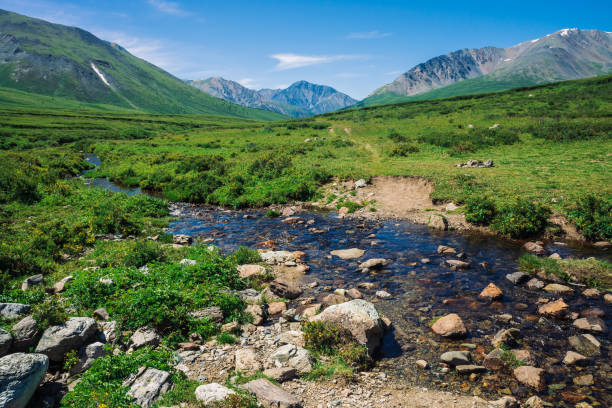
{"type": "Point", "coordinates": [56, 60]}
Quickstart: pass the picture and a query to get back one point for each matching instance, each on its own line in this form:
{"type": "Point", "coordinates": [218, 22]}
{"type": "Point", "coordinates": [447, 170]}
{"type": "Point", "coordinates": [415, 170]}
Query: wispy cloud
{"type": "Point", "coordinates": [169, 7]}
{"type": "Point", "coordinates": [291, 61]}
{"type": "Point", "coordinates": [248, 82]}
{"type": "Point", "coordinates": [368, 35]}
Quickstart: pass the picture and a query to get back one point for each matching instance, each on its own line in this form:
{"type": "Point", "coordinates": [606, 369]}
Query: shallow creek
{"type": "Point", "coordinates": [421, 291]}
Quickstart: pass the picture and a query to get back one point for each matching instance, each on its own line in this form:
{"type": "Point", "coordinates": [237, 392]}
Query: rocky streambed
{"type": "Point", "coordinates": [428, 274]}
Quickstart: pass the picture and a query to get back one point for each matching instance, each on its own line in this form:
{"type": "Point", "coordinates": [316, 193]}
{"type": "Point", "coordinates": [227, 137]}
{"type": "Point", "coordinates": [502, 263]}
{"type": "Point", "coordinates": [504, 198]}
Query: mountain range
{"type": "Point", "coordinates": [566, 54]}
{"type": "Point", "coordinates": [67, 62]}
{"type": "Point", "coordinates": [78, 69]}
{"type": "Point", "coordinates": [301, 99]}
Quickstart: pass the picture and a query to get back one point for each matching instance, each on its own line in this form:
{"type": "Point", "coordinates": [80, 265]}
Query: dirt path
{"type": "Point", "coordinates": [398, 197]}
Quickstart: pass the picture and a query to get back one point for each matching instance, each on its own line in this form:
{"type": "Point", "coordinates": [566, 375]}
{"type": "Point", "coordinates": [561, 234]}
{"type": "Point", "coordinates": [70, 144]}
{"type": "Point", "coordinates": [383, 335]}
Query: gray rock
{"type": "Point", "coordinates": [28, 283]}
{"type": "Point", "coordinates": [585, 344]}
{"type": "Point", "coordinates": [534, 284]}
{"type": "Point", "coordinates": [374, 263]}
{"type": "Point", "coordinates": [24, 334]}
{"type": "Point", "coordinates": [212, 313]}
{"type": "Point", "coordinates": [87, 356]}
{"type": "Point", "coordinates": [295, 357]}
{"type": "Point", "coordinates": [56, 341]}
{"type": "Point", "coordinates": [212, 393]}
{"type": "Point", "coordinates": [20, 375]}
{"type": "Point", "coordinates": [13, 310]}
{"type": "Point", "coordinates": [6, 340]}
{"type": "Point", "coordinates": [360, 318]}
{"type": "Point", "coordinates": [108, 332]}
{"type": "Point", "coordinates": [101, 314]}
{"type": "Point", "coordinates": [145, 336]}
{"type": "Point", "coordinates": [181, 239]}
{"type": "Point", "coordinates": [517, 277]}
{"type": "Point", "coordinates": [250, 296]}
{"type": "Point", "coordinates": [271, 395]}
{"type": "Point", "coordinates": [361, 183]}
{"type": "Point", "coordinates": [147, 386]}
{"type": "Point", "coordinates": [381, 294]}
{"type": "Point", "coordinates": [456, 358]}
{"type": "Point", "coordinates": [281, 374]}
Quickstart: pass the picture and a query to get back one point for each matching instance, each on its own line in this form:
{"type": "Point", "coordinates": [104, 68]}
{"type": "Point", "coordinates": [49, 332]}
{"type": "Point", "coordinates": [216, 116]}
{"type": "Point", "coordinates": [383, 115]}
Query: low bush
{"type": "Point", "coordinates": [521, 218]}
{"type": "Point", "coordinates": [50, 312]}
{"type": "Point", "coordinates": [479, 210]}
{"type": "Point", "coordinates": [593, 216]}
{"type": "Point", "coordinates": [403, 150]}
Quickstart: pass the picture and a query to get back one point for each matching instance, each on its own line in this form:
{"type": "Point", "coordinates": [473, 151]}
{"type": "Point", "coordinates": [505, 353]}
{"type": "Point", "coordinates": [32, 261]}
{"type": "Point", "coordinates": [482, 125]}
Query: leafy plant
{"type": "Point", "coordinates": [521, 218]}
{"type": "Point", "coordinates": [479, 210]}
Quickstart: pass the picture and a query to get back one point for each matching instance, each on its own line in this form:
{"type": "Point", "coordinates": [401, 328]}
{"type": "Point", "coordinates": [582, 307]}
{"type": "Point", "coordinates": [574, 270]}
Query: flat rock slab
{"type": "Point", "coordinates": [20, 375]}
{"type": "Point", "coordinates": [352, 253]}
{"type": "Point", "coordinates": [272, 396]}
{"type": "Point", "coordinates": [147, 385]}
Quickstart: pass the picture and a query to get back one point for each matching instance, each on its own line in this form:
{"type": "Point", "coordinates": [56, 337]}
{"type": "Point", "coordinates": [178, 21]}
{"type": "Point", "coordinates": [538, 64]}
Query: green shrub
{"type": "Point", "coordinates": [108, 218]}
{"type": "Point", "coordinates": [333, 340]}
{"type": "Point", "coordinates": [568, 130]}
{"type": "Point", "coordinates": [593, 216]}
{"type": "Point", "coordinates": [403, 150]}
{"type": "Point", "coordinates": [352, 206]}
{"type": "Point", "coordinates": [479, 210]}
{"type": "Point", "coordinates": [521, 218]}
{"type": "Point", "coordinates": [244, 255]}
{"type": "Point", "coordinates": [590, 271]}
{"type": "Point", "coordinates": [142, 252]}
{"type": "Point", "coordinates": [49, 313]}
{"type": "Point", "coordinates": [273, 213]}
{"type": "Point", "coordinates": [396, 136]}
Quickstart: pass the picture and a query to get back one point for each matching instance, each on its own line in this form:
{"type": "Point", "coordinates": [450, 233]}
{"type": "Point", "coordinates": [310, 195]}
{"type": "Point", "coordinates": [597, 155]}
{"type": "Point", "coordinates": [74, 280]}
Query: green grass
{"type": "Point", "coordinates": [591, 271]}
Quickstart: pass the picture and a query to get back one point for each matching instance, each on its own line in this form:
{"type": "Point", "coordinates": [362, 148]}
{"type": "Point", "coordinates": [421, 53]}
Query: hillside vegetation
{"type": "Point", "coordinates": [55, 60]}
{"type": "Point", "coordinates": [550, 145]}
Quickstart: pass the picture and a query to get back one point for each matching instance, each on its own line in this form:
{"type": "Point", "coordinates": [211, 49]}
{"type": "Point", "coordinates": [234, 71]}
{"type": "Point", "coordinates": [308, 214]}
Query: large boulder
{"type": "Point", "coordinates": [24, 334]}
{"type": "Point", "coordinates": [5, 342]}
{"type": "Point", "coordinates": [212, 393]}
{"type": "Point", "coordinates": [270, 395]}
{"type": "Point", "coordinates": [450, 325]}
{"type": "Point", "coordinates": [20, 375]}
{"type": "Point", "coordinates": [147, 385]}
{"type": "Point", "coordinates": [247, 271]}
{"type": "Point", "coordinates": [360, 318]}
{"type": "Point", "coordinates": [56, 341]}
{"type": "Point", "coordinates": [13, 310]}
{"type": "Point", "coordinates": [108, 332]}
{"type": "Point", "coordinates": [456, 358]}
{"type": "Point", "coordinates": [438, 221]}
{"type": "Point", "coordinates": [276, 257]}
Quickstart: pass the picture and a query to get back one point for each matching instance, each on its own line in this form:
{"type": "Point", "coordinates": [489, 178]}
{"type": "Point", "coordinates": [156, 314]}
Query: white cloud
{"type": "Point", "coordinates": [368, 35]}
{"type": "Point", "coordinates": [168, 7]}
{"type": "Point", "coordinates": [248, 82]}
{"type": "Point", "coordinates": [291, 61]}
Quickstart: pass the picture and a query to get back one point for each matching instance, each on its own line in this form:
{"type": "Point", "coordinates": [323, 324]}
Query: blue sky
{"type": "Point", "coordinates": [354, 46]}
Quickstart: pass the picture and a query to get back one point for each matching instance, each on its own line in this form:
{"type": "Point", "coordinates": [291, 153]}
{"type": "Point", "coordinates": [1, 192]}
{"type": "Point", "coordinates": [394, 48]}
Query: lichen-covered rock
{"type": "Point", "coordinates": [87, 356]}
{"type": "Point", "coordinates": [295, 357]}
{"type": "Point", "coordinates": [13, 310]}
{"type": "Point", "coordinates": [56, 341]}
{"type": "Point", "coordinates": [20, 375]}
{"type": "Point", "coordinates": [147, 385]}
{"type": "Point", "coordinates": [145, 336]}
